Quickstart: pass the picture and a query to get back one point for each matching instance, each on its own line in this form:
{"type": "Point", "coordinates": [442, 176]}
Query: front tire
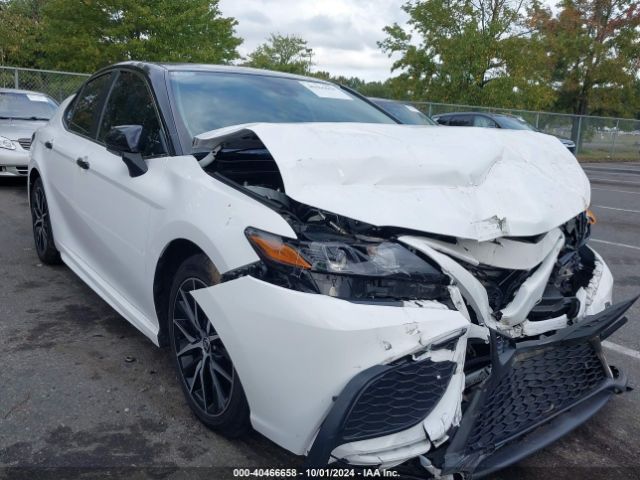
{"type": "Point", "coordinates": [41, 222]}
{"type": "Point", "coordinates": [204, 368]}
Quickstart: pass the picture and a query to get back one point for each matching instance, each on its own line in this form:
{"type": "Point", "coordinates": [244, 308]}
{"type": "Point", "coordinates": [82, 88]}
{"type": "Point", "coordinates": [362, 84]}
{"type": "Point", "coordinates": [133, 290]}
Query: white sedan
{"type": "Point", "coordinates": [360, 292]}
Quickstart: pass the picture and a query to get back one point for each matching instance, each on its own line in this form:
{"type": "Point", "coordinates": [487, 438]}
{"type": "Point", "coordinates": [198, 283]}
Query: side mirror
{"type": "Point", "coordinates": [124, 141]}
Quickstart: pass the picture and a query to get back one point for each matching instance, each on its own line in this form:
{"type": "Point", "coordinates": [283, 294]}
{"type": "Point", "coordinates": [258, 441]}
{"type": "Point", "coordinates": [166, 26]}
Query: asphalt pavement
{"type": "Point", "coordinates": [84, 395]}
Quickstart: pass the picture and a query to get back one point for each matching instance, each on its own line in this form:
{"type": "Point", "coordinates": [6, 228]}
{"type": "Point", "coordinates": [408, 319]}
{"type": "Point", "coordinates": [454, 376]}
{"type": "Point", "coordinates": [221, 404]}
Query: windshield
{"type": "Point", "coordinates": [26, 106]}
{"type": "Point", "coordinates": [514, 123]}
{"type": "Point", "coordinates": [407, 114]}
{"type": "Point", "coordinates": [210, 100]}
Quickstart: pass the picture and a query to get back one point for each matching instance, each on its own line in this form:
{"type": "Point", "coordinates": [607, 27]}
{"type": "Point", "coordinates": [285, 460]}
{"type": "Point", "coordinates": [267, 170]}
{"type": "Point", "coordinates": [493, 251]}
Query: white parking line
{"type": "Point", "coordinates": [629, 352]}
{"type": "Point", "coordinates": [614, 190]}
{"type": "Point", "coordinates": [607, 172]}
{"type": "Point", "coordinates": [605, 169]}
{"type": "Point", "coordinates": [612, 180]}
{"type": "Point", "coordinates": [615, 244]}
{"type": "Point", "coordinates": [616, 209]}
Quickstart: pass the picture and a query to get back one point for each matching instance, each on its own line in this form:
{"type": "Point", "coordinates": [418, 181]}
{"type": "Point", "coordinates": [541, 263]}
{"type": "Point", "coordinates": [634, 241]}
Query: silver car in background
{"type": "Point", "coordinates": [22, 112]}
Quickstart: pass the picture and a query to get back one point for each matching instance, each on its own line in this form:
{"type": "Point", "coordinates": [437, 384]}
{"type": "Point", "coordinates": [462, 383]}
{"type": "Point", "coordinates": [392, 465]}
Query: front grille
{"type": "Point", "coordinates": [397, 399]}
{"type": "Point", "coordinates": [25, 143]}
{"type": "Point", "coordinates": [540, 383]}
{"type": "Point", "coordinates": [22, 170]}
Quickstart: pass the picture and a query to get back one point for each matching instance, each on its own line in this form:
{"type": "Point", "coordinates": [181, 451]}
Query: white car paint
{"type": "Point", "coordinates": [274, 353]}
{"type": "Point", "coordinates": [13, 162]}
{"type": "Point", "coordinates": [486, 183]}
{"type": "Point", "coordinates": [296, 351]}
{"type": "Point", "coordinates": [112, 229]}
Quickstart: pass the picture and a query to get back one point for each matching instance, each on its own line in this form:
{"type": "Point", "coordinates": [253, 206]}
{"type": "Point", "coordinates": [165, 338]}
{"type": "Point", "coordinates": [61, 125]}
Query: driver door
{"type": "Point", "coordinates": [117, 208]}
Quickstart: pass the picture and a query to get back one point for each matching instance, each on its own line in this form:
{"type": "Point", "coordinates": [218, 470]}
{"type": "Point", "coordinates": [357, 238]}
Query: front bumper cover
{"type": "Point", "coordinates": [295, 352]}
{"type": "Point", "coordinates": [14, 163]}
{"type": "Point", "coordinates": [538, 391]}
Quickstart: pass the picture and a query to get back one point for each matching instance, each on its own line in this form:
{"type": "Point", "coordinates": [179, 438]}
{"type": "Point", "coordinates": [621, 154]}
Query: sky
{"type": "Point", "coordinates": [342, 33]}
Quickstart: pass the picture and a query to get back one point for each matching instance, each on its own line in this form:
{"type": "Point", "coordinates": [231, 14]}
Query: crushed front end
{"type": "Point", "coordinates": [532, 361]}
{"type": "Point", "coordinates": [381, 332]}
{"type": "Point", "coordinates": [532, 392]}
{"type": "Point", "coordinates": [470, 357]}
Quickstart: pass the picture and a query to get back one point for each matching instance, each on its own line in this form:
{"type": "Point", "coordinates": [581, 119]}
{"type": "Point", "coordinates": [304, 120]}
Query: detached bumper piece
{"type": "Point", "coordinates": [537, 392]}
{"type": "Point", "coordinates": [381, 400]}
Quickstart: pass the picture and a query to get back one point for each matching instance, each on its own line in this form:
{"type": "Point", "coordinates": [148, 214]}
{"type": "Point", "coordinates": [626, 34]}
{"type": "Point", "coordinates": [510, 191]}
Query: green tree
{"type": "Point", "coordinates": [21, 25]}
{"type": "Point", "coordinates": [284, 53]}
{"type": "Point", "coordinates": [478, 52]}
{"type": "Point", "coordinates": [594, 46]}
{"type": "Point", "coordinates": [88, 34]}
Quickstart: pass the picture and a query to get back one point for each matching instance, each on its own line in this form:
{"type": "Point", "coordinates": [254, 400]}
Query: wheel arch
{"type": "Point", "coordinates": [34, 174]}
{"type": "Point", "coordinates": [172, 256]}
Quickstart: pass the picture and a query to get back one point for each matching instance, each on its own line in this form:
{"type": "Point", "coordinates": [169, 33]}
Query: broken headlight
{"type": "Point", "coordinates": [353, 269]}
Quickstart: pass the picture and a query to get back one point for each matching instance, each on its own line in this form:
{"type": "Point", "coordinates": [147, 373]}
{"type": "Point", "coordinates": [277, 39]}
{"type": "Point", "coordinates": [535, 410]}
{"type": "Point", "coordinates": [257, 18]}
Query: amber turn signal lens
{"type": "Point", "coordinates": [278, 251]}
{"type": "Point", "coordinates": [591, 217]}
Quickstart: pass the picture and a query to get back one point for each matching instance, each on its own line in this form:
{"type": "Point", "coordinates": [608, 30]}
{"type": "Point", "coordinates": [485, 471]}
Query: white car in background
{"type": "Point", "coordinates": [22, 112]}
{"type": "Point", "coordinates": [361, 292]}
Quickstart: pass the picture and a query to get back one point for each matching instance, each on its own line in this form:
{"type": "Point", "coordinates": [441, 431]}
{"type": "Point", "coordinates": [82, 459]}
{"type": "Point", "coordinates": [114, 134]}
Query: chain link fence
{"type": "Point", "coordinates": [596, 138]}
{"type": "Point", "coordinates": [58, 85]}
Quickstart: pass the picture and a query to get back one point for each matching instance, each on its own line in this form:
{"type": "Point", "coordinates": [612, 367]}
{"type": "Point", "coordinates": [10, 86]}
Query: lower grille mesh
{"type": "Point", "coordinates": [539, 384]}
{"type": "Point", "coordinates": [398, 399]}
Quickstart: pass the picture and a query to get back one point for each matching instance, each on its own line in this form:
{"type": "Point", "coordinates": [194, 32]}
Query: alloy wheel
{"type": "Point", "coordinates": [40, 213]}
{"type": "Point", "coordinates": [203, 361]}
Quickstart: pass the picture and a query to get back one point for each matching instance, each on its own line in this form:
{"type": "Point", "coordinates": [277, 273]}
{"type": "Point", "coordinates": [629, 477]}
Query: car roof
{"type": "Point", "coordinates": [17, 90]}
{"type": "Point", "coordinates": [488, 114]}
{"type": "Point", "coordinates": [384, 100]}
{"type": "Point", "coordinates": [203, 67]}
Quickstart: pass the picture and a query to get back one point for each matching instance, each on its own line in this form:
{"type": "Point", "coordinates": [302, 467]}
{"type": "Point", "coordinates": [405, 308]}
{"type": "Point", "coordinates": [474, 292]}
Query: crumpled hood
{"type": "Point", "coordinates": [474, 183]}
{"type": "Point", "coordinates": [16, 129]}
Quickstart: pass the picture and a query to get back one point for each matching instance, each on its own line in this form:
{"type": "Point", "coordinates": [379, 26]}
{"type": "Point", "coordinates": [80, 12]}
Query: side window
{"type": "Point", "coordinates": [460, 121]}
{"type": "Point", "coordinates": [83, 116]}
{"type": "Point", "coordinates": [442, 120]}
{"type": "Point", "coordinates": [131, 103]}
{"type": "Point", "coordinates": [482, 121]}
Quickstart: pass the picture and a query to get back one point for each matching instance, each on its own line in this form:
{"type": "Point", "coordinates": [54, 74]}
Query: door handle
{"type": "Point", "coordinates": [82, 163]}
{"type": "Point", "coordinates": [48, 144]}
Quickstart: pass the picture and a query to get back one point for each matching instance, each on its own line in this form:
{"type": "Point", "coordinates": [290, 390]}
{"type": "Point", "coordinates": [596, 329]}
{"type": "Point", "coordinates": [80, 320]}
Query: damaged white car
{"type": "Point", "coordinates": [363, 293]}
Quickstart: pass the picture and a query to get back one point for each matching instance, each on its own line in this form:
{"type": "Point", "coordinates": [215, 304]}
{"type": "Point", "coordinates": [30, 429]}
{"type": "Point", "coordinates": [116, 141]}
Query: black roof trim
{"type": "Point", "coordinates": [201, 67]}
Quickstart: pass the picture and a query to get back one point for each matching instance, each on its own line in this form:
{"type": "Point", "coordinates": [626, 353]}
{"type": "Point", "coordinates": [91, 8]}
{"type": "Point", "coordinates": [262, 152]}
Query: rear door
{"type": "Point", "coordinates": [116, 208]}
{"type": "Point", "coordinates": [64, 147]}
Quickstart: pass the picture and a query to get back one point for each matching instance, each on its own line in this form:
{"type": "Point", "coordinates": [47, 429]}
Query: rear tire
{"type": "Point", "coordinates": [204, 368]}
{"type": "Point", "coordinates": [41, 222]}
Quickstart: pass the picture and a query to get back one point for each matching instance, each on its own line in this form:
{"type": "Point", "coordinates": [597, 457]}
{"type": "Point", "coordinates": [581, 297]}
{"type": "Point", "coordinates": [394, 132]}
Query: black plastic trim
{"type": "Point", "coordinates": [459, 459]}
{"type": "Point", "coordinates": [329, 435]}
{"type": "Point", "coordinates": [336, 429]}
{"type": "Point", "coordinates": [549, 432]}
